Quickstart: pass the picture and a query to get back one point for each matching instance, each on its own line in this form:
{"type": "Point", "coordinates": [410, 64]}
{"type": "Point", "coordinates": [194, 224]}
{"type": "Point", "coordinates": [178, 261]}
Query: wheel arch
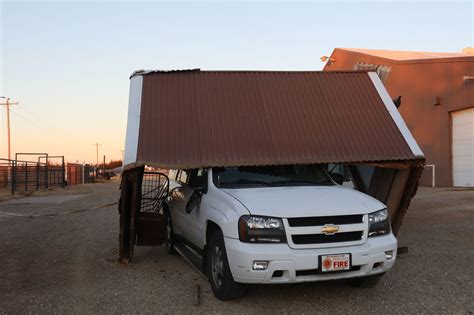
{"type": "Point", "coordinates": [211, 228]}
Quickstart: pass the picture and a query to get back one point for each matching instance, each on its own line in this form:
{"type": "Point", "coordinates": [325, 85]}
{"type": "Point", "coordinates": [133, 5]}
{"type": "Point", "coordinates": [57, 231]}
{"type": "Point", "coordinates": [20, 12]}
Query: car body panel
{"type": "Point", "coordinates": [305, 201]}
{"type": "Point", "coordinates": [224, 207]}
{"type": "Point", "coordinates": [369, 257]}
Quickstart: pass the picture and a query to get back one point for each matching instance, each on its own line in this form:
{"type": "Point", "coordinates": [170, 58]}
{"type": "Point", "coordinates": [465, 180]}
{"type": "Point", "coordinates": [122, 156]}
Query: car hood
{"type": "Point", "coordinates": [305, 201]}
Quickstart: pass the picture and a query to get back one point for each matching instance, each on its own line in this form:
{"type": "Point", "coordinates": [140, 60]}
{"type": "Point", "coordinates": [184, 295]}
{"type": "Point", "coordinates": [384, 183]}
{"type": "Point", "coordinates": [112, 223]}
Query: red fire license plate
{"type": "Point", "coordinates": [337, 262]}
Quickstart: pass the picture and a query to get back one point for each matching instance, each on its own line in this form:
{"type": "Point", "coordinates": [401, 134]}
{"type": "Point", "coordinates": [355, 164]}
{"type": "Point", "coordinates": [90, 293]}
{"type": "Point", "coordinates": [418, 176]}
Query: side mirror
{"type": "Point", "coordinates": [338, 178]}
{"type": "Point", "coordinates": [200, 190]}
{"type": "Point", "coordinates": [194, 201]}
{"type": "Point", "coordinates": [199, 185]}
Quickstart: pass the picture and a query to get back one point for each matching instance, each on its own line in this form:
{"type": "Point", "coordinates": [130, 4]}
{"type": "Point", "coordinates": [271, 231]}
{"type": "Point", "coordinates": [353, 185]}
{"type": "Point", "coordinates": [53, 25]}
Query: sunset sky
{"type": "Point", "coordinates": [68, 64]}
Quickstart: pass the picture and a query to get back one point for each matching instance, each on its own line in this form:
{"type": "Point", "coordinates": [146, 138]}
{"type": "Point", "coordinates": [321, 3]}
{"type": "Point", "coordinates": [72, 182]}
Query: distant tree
{"type": "Point", "coordinates": [113, 164]}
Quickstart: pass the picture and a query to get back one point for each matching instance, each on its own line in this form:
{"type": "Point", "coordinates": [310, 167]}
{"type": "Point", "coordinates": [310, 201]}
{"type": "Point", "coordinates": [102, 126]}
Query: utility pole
{"type": "Point", "coordinates": [7, 105]}
{"type": "Point", "coordinates": [97, 152]}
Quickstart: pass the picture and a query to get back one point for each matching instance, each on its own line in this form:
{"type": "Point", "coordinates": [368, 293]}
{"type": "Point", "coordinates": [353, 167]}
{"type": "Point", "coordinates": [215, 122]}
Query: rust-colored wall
{"type": "Point", "coordinates": [419, 84]}
{"type": "Point", "coordinates": [74, 174]}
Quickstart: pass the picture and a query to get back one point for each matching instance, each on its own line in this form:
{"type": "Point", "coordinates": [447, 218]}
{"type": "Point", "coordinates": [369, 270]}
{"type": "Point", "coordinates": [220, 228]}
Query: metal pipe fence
{"type": "Point", "coordinates": [155, 188]}
{"type": "Point", "coordinates": [6, 174]}
{"type": "Point", "coordinates": [47, 172]}
{"type": "Point", "coordinates": [24, 176]}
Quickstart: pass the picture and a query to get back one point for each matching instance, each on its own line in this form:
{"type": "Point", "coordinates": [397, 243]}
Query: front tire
{"type": "Point", "coordinates": [218, 272]}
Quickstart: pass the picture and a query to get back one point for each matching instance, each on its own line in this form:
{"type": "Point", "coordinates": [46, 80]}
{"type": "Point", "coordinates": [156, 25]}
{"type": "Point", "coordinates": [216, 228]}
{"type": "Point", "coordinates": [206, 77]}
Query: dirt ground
{"type": "Point", "coordinates": [58, 254]}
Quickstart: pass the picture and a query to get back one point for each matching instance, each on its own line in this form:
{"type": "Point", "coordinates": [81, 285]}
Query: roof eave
{"type": "Point", "coordinates": [409, 61]}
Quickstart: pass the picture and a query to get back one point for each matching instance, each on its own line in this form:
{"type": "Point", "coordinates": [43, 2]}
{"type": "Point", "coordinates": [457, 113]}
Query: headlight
{"type": "Point", "coordinates": [255, 229]}
{"type": "Point", "coordinates": [379, 223]}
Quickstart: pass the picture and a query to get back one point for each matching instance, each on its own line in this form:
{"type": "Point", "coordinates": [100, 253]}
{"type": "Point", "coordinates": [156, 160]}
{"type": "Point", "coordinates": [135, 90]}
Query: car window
{"type": "Point", "coordinates": [172, 174]}
{"type": "Point", "coordinates": [278, 175]}
{"type": "Point", "coordinates": [197, 177]}
{"type": "Point", "coordinates": [183, 176]}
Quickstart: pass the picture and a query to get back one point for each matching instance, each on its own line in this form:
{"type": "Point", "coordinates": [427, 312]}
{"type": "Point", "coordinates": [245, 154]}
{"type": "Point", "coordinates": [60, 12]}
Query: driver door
{"type": "Point", "coordinates": [187, 213]}
{"type": "Point", "coordinates": [198, 183]}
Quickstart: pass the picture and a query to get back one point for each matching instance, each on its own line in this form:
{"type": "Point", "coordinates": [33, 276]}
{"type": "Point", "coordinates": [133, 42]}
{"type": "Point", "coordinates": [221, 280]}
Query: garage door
{"type": "Point", "coordinates": [463, 147]}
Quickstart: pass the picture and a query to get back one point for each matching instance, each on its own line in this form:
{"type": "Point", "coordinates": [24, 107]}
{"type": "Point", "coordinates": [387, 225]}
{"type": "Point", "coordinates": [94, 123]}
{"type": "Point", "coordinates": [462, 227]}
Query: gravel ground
{"type": "Point", "coordinates": [67, 263]}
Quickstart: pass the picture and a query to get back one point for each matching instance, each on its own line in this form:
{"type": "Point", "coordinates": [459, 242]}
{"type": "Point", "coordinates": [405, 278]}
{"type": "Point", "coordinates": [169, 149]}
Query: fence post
{"type": "Point", "coordinates": [63, 175]}
{"type": "Point", "coordinates": [26, 176]}
{"type": "Point", "coordinates": [37, 176]}
{"type": "Point", "coordinates": [46, 174]}
{"type": "Point", "coordinates": [13, 175]}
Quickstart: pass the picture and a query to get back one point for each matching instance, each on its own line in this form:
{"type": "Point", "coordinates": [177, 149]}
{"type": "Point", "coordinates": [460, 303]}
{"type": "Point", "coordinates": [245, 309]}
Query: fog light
{"type": "Point", "coordinates": [260, 265]}
{"type": "Point", "coordinates": [389, 255]}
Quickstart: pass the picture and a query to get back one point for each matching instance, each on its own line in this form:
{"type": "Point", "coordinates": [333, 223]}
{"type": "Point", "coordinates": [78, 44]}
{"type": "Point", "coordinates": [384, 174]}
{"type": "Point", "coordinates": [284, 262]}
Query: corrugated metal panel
{"type": "Point", "coordinates": [420, 84]}
{"type": "Point", "coordinates": [211, 118]}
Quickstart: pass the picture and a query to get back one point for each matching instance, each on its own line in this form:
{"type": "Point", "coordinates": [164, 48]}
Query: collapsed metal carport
{"type": "Point", "coordinates": [196, 119]}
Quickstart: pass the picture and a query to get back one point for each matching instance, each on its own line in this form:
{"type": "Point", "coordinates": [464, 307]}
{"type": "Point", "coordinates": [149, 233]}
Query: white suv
{"type": "Point", "coordinates": [276, 224]}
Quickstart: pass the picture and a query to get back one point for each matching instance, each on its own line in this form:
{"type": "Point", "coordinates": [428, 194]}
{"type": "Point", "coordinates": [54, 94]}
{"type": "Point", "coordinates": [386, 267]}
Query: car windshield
{"type": "Point", "coordinates": [270, 176]}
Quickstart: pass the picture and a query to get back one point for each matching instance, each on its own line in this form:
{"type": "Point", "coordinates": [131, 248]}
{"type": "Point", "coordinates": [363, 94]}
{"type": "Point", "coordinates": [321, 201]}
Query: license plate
{"type": "Point", "coordinates": [337, 262]}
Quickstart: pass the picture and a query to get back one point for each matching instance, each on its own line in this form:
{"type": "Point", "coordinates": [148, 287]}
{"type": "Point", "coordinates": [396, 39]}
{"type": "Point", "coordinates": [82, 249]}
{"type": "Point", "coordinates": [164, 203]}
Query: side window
{"type": "Point", "coordinates": [344, 171]}
{"type": "Point", "coordinates": [198, 178]}
{"type": "Point", "coordinates": [183, 176]}
{"type": "Point", "coordinates": [172, 174]}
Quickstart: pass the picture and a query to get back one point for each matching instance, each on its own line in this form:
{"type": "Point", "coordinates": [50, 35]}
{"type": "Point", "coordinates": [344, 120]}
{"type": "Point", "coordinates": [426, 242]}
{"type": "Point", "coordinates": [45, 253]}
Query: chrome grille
{"type": "Point", "coordinates": [323, 238]}
{"type": "Point", "coordinates": [308, 232]}
{"type": "Point", "coordinates": [337, 220]}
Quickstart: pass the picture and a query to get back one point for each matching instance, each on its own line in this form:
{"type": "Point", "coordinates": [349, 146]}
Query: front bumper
{"type": "Point", "coordinates": [301, 265]}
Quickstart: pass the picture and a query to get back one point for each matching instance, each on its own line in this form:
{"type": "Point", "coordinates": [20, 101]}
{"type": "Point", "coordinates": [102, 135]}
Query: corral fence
{"type": "Point", "coordinates": [19, 176]}
{"type": "Point", "coordinates": [5, 173]}
{"type": "Point", "coordinates": [155, 189]}
{"type": "Point", "coordinates": [148, 220]}
{"type": "Point", "coordinates": [24, 176]}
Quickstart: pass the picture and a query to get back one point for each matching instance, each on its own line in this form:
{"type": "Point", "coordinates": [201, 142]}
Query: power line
{"type": "Point", "coordinates": [25, 118]}
{"type": "Point", "coordinates": [7, 106]}
{"type": "Point", "coordinates": [97, 152]}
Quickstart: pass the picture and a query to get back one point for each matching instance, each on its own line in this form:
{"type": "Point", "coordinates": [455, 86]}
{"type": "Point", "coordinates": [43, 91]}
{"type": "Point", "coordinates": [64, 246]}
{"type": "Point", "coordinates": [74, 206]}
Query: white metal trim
{"type": "Point", "coordinates": [133, 120]}
{"type": "Point", "coordinates": [433, 174]}
{"type": "Point", "coordinates": [393, 111]}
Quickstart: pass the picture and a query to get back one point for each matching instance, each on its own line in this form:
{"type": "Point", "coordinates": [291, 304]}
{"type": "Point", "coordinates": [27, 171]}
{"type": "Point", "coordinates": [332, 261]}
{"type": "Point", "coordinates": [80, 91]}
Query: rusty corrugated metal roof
{"type": "Point", "coordinates": [228, 118]}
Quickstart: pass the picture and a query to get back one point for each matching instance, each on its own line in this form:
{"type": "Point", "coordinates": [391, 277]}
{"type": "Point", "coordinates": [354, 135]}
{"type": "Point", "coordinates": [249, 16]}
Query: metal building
{"type": "Point", "coordinates": [437, 103]}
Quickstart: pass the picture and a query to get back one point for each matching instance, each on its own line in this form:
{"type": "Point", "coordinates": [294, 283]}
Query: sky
{"type": "Point", "coordinates": [68, 63]}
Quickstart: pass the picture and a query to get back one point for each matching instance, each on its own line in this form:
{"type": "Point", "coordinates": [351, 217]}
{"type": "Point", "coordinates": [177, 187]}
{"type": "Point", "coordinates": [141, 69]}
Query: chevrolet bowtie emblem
{"type": "Point", "coordinates": [329, 229]}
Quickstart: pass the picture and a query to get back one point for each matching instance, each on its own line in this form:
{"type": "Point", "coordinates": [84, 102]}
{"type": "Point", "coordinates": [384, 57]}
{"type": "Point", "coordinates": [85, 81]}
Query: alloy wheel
{"type": "Point", "coordinates": [217, 266]}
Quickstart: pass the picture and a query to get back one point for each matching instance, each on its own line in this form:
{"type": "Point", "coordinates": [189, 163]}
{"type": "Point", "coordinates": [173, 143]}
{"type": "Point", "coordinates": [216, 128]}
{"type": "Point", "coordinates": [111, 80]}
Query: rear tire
{"type": "Point", "coordinates": [218, 272]}
{"type": "Point", "coordinates": [366, 282]}
{"type": "Point", "coordinates": [169, 234]}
